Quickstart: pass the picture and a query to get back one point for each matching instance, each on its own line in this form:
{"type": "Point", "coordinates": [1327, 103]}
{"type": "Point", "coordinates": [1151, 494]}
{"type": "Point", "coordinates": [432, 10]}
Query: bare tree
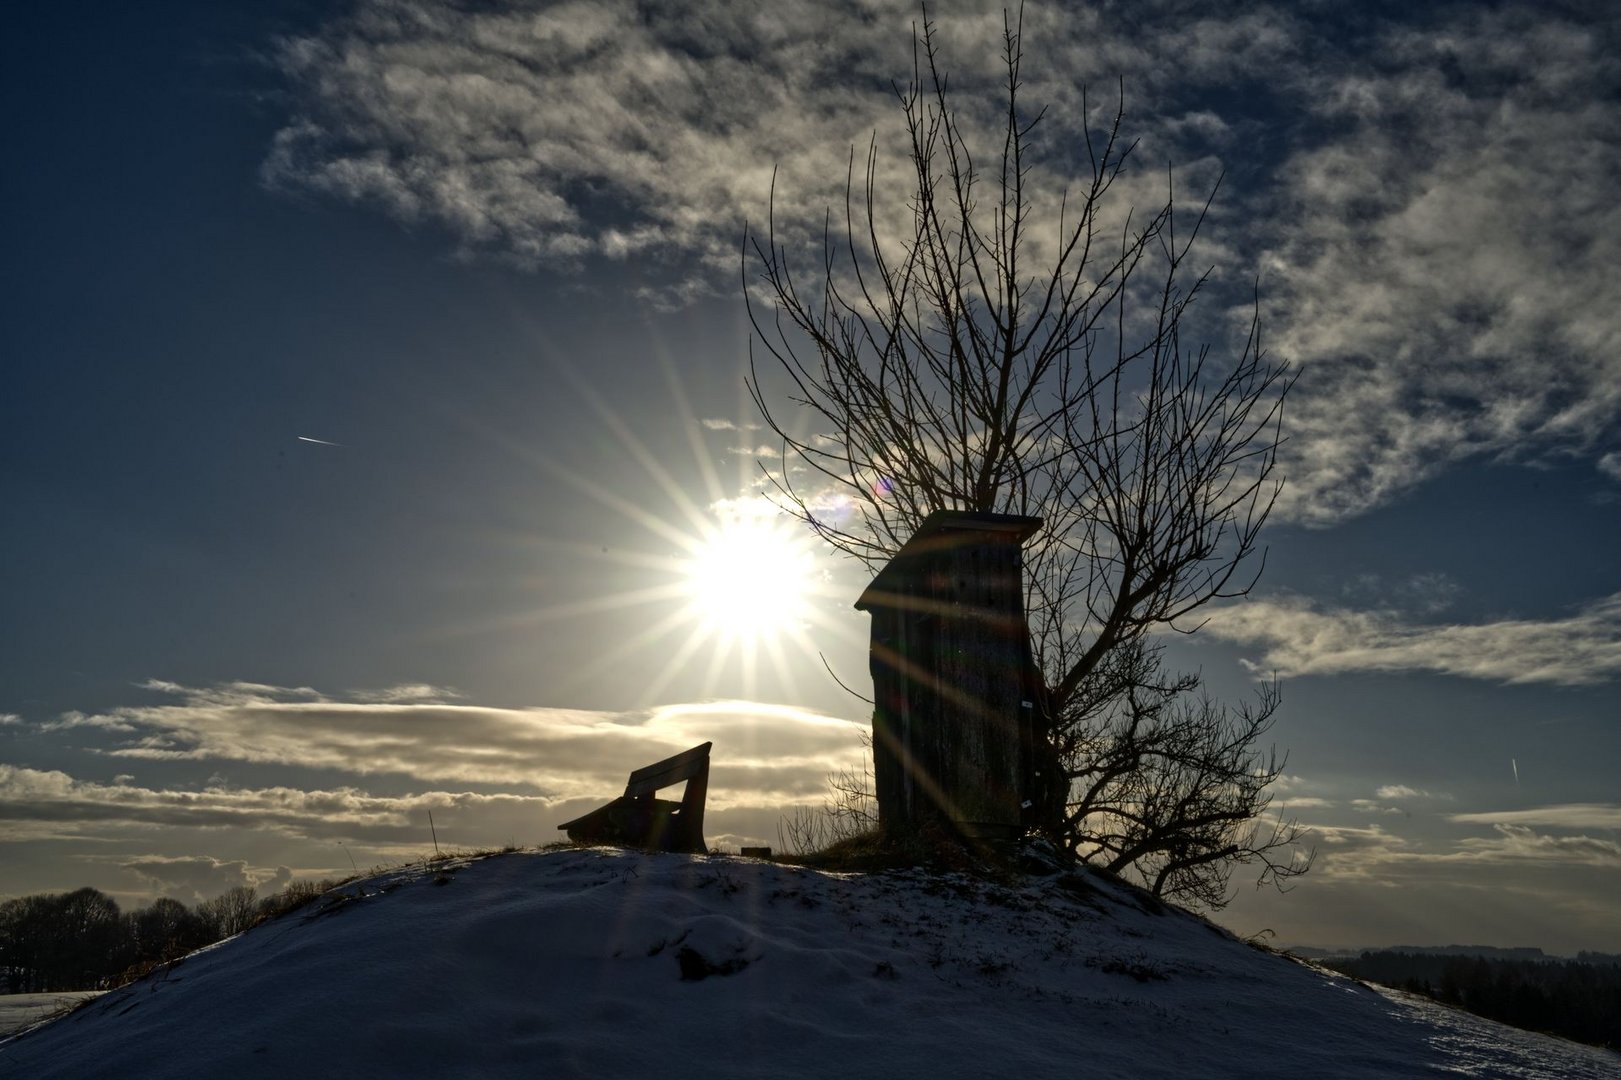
{"type": "Point", "coordinates": [848, 811]}
{"type": "Point", "coordinates": [943, 368]}
{"type": "Point", "coordinates": [1169, 787]}
{"type": "Point", "coordinates": [232, 911]}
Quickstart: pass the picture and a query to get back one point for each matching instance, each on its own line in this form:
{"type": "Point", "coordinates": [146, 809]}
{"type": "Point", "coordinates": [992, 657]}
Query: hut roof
{"type": "Point", "coordinates": [941, 530]}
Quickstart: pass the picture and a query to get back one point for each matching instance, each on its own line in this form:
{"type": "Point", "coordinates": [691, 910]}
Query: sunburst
{"type": "Point", "coordinates": [728, 583]}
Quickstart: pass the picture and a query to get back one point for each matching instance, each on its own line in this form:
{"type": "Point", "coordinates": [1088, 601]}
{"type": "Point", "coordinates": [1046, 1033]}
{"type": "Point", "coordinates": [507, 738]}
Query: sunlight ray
{"type": "Point", "coordinates": [632, 510]}
{"type": "Point", "coordinates": [630, 598]}
{"type": "Point", "coordinates": [724, 645]}
{"type": "Point", "coordinates": [689, 427]}
{"type": "Point", "coordinates": [676, 662]}
{"type": "Point", "coordinates": [731, 586]}
{"type": "Point", "coordinates": [615, 657]}
{"type": "Point", "coordinates": [697, 519]}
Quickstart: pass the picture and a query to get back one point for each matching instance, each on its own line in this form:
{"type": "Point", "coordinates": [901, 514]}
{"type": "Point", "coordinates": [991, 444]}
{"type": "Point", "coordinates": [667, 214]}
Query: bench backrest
{"type": "Point", "coordinates": [672, 770]}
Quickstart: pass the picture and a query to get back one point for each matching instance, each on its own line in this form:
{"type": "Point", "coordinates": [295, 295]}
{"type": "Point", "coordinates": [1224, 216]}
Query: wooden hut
{"type": "Point", "coordinates": [955, 692]}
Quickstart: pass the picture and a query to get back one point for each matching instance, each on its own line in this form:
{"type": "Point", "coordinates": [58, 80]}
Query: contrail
{"type": "Point", "coordinates": [318, 442]}
{"type": "Point", "coordinates": [1516, 767]}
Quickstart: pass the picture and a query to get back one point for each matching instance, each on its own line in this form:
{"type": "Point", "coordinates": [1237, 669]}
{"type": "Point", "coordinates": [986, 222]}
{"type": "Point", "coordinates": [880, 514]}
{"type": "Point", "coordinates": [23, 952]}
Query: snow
{"type": "Point", "coordinates": [18, 1011]}
{"type": "Point", "coordinates": [608, 963]}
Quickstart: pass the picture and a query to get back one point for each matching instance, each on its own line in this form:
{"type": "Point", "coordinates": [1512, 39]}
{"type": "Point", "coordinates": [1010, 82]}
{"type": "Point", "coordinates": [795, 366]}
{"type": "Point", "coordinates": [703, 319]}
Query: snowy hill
{"type": "Point", "coordinates": [603, 963]}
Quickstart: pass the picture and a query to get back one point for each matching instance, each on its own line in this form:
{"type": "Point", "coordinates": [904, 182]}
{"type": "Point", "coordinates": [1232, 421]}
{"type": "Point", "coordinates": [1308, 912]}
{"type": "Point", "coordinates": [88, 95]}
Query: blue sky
{"type": "Point", "coordinates": [491, 253]}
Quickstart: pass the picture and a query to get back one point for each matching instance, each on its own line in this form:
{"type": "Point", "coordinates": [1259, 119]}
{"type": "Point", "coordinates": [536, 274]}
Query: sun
{"type": "Point", "coordinates": [715, 588]}
{"type": "Point", "coordinates": [751, 577]}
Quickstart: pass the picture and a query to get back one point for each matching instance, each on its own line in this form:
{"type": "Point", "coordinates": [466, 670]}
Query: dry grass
{"type": "Point", "coordinates": [931, 849]}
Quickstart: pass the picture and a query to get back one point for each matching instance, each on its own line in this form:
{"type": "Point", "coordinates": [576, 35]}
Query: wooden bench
{"type": "Point", "coordinates": [639, 819]}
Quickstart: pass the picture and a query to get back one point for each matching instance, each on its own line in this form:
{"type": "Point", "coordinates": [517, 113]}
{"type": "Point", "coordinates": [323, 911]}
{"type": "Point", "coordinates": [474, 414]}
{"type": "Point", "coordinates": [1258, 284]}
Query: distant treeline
{"type": "Point", "coordinates": [1579, 999]}
{"type": "Point", "coordinates": [81, 941]}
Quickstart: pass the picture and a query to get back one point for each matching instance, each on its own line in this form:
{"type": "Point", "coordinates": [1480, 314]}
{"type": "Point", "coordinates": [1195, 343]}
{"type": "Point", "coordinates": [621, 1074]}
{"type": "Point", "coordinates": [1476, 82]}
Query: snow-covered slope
{"type": "Point", "coordinates": [601, 963]}
{"type": "Point", "coordinates": [18, 1011]}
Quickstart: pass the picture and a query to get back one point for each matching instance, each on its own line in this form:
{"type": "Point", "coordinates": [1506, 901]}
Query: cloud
{"type": "Point", "coordinates": [515, 128]}
{"type": "Point", "coordinates": [1519, 844]}
{"type": "Point", "coordinates": [194, 878]}
{"type": "Point", "coordinates": [1283, 789]}
{"type": "Point", "coordinates": [1432, 216]}
{"type": "Point", "coordinates": [1444, 265]}
{"type": "Point", "coordinates": [1402, 791]}
{"type": "Point", "coordinates": [602, 131]}
{"type": "Point", "coordinates": [561, 752]}
{"type": "Point", "coordinates": [1354, 851]}
{"type": "Point", "coordinates": [410, 692]}
{"type": "Point", "coordinates": [1299, 638]}
{"type": "Point", "coordinates": [547, 765]}
{"type": "Point", "coordinates": [1560, 816]}
{"type": "Point", "coordinates": [1388, 796]}
{"type": "Point", "coordinates": [1371, 806]}
{"type": "Point", "coordinates": [1610, 465]}
{"type": "Point", "coordinates": [1374, 853]}
{"type": "Point", "coordinates": [49, 804]}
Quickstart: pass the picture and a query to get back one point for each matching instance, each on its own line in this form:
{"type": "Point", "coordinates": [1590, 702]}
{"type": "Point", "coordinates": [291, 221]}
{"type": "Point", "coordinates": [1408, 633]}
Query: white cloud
{"type": "Point", "coordinates": [406, 693]}
{"type": "Point", "coordinates": [49, 804]}
{"type": "Point", "coordinates": [1341, 840]}
{"type": "Point", "coordinates": [1402, 791]}
{"type": "Point", "coordinates": [1559, 816]}
{"type": "Point", "coordinates": [1610, 465]}
{"type": "Point", "coordinates": [1439, 244]}
{"type": "Point", "coordinates": [558, 134]}
{"type": "Point", "coordinates": [488, 776]}
{"type": "Point", "coordinates": [1285, 790]}
{"type": "Point", "coordinates": [1374, 853]}
{"type": "Point", "coordinates": [1299, 638]}
{"type": "Point", "coordinates": [548, 765]}
{"type": "Point", "coordinates": [512, 127]}
{"type": "Point", "coordinates": [194, 878]}
{"type": "Point", "coordinates": [1396, 799]}
{"type": "Point", "coordinates": [1519, 844]}
{"type": "Point", "coordinates": [1372, 806]}
{"type": "Point", "coordinates": [767, 759]}
{"type": "Point", "coordinates": [1447, 266]}
{"type": "Point", "coordinates": [562, 752]}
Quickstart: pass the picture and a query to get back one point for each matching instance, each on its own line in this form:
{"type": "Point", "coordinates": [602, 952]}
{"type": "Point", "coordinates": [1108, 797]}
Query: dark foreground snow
{"type": "Point", "coordinates": [600, 963]}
